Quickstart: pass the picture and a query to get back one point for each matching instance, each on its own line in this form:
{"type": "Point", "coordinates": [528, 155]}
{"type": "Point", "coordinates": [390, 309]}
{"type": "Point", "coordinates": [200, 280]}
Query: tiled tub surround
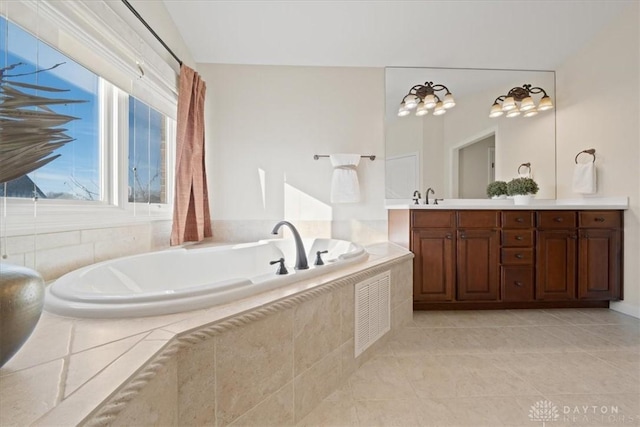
{"type": "Point", "coordinates": [268, 359]}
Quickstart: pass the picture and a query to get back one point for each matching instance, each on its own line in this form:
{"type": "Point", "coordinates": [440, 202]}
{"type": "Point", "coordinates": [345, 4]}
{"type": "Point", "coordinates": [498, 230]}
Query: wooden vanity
{"type": "Point", "coordinates": [512, 257]}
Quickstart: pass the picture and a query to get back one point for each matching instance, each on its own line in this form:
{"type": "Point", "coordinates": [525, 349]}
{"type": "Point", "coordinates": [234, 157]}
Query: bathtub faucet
{"type": "Point", "coordinates": [301, 256]}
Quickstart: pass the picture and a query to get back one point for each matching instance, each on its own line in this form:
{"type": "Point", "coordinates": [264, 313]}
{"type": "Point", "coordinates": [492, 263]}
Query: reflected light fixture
{"type": "Point", "coordinates": [424, 98]}
{"type": "Point", "coordinates": [518, 100]}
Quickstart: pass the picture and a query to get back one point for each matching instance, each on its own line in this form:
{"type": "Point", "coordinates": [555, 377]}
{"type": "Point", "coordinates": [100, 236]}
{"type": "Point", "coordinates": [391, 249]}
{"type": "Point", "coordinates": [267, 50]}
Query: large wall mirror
{"type": "Point", "coordinates": [458, 153]}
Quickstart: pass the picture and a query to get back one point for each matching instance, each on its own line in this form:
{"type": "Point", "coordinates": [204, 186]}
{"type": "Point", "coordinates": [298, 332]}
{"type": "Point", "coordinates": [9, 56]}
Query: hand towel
{"type": "Point", "coordinates": [584, 178]}
{"type": "Point", "coordinates": [344, 182]}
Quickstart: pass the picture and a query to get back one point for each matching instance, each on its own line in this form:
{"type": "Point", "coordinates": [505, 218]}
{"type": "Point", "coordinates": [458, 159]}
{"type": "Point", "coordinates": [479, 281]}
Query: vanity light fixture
{"type": "Point", "coordinates": [424, 98]}
{"type": "Point", "coordinates": [509, 103]}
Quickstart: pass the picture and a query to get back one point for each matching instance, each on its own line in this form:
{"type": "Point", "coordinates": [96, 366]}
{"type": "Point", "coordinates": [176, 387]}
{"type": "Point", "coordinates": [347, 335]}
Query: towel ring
{"type": "Point", "coordinates": [526, 165]}
{"type": "Point", "coordinates": [591, 151]}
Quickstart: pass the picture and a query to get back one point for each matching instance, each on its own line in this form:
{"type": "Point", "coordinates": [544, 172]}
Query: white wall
{"type": "Point", "coordinates": [599, 107]}
{"type": "Point", "coordinates": [263, 126]}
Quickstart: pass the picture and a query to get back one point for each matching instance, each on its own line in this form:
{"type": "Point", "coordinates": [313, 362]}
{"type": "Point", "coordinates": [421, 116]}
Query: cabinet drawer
{"type": "Point", "coordinates": [600, 219]}
{"type": "Point", "coordinates": [478, 219]}
{"type": "Point", "coordinates": [515, 256]}
{"type": "Point", "coordinates": [517, 283]}
{"type": "Point", "coordinates": [433, 219]}
{"type": "Point", "coordinates": [517, 219]}
{"type": "Point", "coordinates": [517, 238]}
{"type": "Point", "coordinates": [556, 219]}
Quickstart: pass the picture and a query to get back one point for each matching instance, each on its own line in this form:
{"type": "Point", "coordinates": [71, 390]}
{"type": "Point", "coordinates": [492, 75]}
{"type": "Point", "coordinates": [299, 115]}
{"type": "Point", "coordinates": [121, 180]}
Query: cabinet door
{"type": "Point", "coordinates": [477, 265]}
{"type": "Point", "coordinates": [556, 265]}
{"type": "Point", "coordinates": [433, 265]}
{"type": "Point", "coordinates": [599, 261]}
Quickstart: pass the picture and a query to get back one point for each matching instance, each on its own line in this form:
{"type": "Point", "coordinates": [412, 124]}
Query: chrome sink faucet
{"type": "Point", "coordinates": [301, 255]}
{"type": "Point", "coordinates": [426, 195]}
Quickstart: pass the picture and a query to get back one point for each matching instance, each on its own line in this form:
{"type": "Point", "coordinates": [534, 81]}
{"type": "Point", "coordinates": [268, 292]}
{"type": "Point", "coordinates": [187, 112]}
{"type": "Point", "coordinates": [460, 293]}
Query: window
{"type": "Point", "coordinates": [29, 66]}
{"type": "Point", "coordinates": [119, 153]}
{"type": "Point", "coordinates": [147, 153]}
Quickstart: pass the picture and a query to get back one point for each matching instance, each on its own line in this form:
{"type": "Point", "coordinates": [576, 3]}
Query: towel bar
{"type": "Point", "coordinates": [317, 156]}
{"type": "Point", "coordinates": [526, 165]}
{"type": "Point", "coordinates": [591, 151]}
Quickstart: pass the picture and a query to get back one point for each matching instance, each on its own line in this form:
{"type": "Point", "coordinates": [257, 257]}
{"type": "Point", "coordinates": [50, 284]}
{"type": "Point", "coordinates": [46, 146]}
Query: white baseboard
{"type": "Point", "coordinates": [626, 308]}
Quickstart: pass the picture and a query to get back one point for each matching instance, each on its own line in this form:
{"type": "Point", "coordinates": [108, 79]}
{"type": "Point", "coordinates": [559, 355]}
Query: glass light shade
{"type": "Point", "coordinates": [513, 113]}
{"type": "Point", "coordinates": [439, 110]}
{"type": "Point", "coordinates": [531, 113]}
{"type": "Point", "coordinates": [527, 104]}
{"type": "Point", "coordinates": [545, 104]}
{"type": "Point", "coordinates": [410, 102]}
{"type": "Point", "coordinates": [509, 104]}
{"type": "Point", "coordinates": [421, 110]}
{"type": "Point", "coordinates": [496, 111]}
{"type": "Point", "coordinates": [448, 101]}
{"type": "Point", "coordinates": [403, 112]}
{"type": "Point", "coordinates": [430, 101]}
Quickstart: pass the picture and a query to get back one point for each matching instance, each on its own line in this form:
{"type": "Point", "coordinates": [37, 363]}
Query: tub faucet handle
{"type": "Point", "coordinates": [319, 258]}
{"type": "Point", "coordinates": [281, 268]}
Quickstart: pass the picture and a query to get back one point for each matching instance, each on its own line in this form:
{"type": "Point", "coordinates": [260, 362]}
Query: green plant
{"type": "Point", "coordinates": [522, 186]}
{"type": "Point", "coordinates": [496, 188]}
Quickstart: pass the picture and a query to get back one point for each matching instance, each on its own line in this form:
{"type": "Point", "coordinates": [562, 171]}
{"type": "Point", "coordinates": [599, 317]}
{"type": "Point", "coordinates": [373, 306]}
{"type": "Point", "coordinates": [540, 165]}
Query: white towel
{"type": "Point", "coordinates": [344, 182]}
{"type": "Point", "coordinates": [584, 178]}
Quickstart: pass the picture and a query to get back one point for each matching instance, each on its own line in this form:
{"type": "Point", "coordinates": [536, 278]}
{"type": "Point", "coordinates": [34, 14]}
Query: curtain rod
{"type": "Point", "coordinates": [141, 19]}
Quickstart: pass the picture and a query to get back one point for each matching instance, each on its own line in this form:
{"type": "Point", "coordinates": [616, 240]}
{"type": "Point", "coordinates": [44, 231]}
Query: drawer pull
{"type": "Point", "coordinates": [519, 256]}
{"type": "Point", "coordinates": [519, 284]}
{"type": "Point", "coordinates": [448, 236]}
{"type": "Point", "coordinates": [573, 237]}
{"type": "Point", "coordinates": [463, 236]}
{"type": "Point", "coordinates": [519, 237]}
{"type": "Point", "coordinates": [519, 219]}
{"type": "Point", "coordinates": [599, 219]}
{"type": "Point", "coordinates": [558, 219]}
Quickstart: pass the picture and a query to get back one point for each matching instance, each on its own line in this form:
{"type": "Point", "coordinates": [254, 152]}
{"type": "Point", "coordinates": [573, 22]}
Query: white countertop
{"type": "Point", "coordinates": [507, 204]}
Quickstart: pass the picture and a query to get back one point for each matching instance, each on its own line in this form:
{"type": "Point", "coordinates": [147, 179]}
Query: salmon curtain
{"type": "Point", "coordinates": [191, 217]}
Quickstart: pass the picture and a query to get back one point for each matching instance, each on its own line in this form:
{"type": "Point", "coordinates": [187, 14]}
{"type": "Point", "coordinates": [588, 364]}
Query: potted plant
{"type": "Point", "coordinates": [497, 190]}
{"type": "Point", "coordinates": [522, 189]}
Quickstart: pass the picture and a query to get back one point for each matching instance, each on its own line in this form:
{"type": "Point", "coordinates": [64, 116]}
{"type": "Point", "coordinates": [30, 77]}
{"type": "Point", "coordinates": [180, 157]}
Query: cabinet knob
{"type": "Point", "coordinates": [519, 284]}
{"type": "Point", "coordinates": [558, 219]}
{"type": "Point", "coordinates": [448, 236]}
{"type": "Point", "coordinates": [519, 256]}
{"type": "Point", "coordinates": [463, 236]}
{"type": "Point", "coordinates": [573, 237]}
{"type": "Point", "coordinates": [519, 219]}
{"type": "Point", "coordinates": [519, 237]}
{"type": "Point", "coordinates": [599, 219]}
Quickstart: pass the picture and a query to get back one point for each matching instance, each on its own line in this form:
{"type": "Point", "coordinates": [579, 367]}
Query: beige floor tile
{"type": "Point", "coordinates": [537, 318]}
{"type": "Point", "coordinates": [436, 341]}
{"type": "Point", "coordinates": [475, 411]}
{"type": "Point", "coordinates": [623, 337]}
{"type": "Point", "coordinates": [570, 373]}
{"type": "Point", "coordinates": [380, 378]}
{"type": "Point", "coordinates": [431, 319]}
{"type": "Point", "coordinates": [332, 414]}
{"type": "Point", "coordinates": [627, 362]}
{"type": "Point", "coordinates": [582, 339]}
{"type": "Point", "coordinates": [606, 316]}
{"type": "Point", "coordinates": [461, 376]}
{"type": "Point", "coordinates": [482, 318]}
{"type": "Point", "coordinates": [526, 339]}
{"type": "Point", "coordinates": [400, 413]}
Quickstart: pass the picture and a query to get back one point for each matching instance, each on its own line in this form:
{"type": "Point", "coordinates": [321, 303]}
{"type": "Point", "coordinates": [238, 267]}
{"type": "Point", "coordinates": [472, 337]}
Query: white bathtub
{"type": "Point", "coordinates": [185, 279]}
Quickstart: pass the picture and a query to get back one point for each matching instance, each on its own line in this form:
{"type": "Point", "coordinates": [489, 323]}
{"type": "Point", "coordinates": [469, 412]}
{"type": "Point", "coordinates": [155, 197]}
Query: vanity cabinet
{"type": "Point", "coordinates": [512, 258]}
{"type": "Point", "coordinates": [478, 252]}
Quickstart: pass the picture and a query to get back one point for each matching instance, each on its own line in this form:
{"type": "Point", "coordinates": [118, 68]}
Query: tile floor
{"type": "Point", "coordinates": [489, 368]}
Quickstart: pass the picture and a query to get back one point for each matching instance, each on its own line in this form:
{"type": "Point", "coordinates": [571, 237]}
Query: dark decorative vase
{"type": "Point", "coordinates": [21, 302]}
